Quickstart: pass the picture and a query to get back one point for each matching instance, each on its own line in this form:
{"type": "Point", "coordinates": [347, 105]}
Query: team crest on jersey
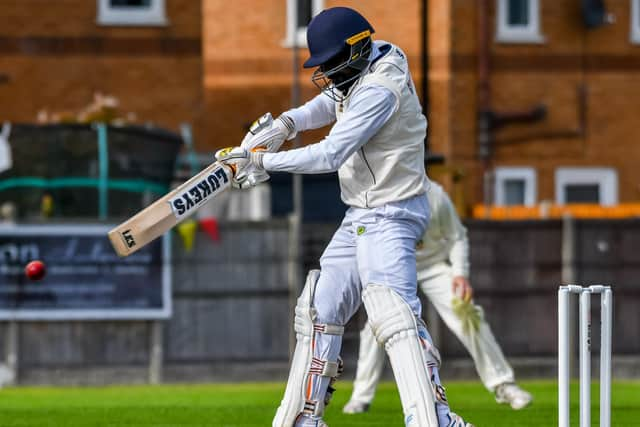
{"type": "Point", "coordinates": [185, 202]}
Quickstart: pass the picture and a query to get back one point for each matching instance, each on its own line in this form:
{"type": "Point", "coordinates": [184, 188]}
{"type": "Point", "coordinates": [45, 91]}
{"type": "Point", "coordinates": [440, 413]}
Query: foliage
{"type": "Point", "coordinates": [103, 109]}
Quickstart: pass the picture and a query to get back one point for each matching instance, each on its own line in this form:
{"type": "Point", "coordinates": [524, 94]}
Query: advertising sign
{"type": "Point", "coordinates": [84, 277]}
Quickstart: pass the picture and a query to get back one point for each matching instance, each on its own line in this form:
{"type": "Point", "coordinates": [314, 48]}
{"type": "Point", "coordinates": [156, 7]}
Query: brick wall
{"type": "Point", "coordinates": [603, 61]}
{"type": "Point", "coordinates": [56, 56]}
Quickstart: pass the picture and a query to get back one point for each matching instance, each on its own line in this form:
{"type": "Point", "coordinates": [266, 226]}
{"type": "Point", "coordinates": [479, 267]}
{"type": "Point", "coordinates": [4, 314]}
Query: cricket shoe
{"type": "Point", "coordinates": [457, 421]}
{"type": "Point", "coordinates": [310, 421]}
{"type": "Point", "coordinates": [355, 407]}
{"type": "Point", "coordinates": [510, 393]}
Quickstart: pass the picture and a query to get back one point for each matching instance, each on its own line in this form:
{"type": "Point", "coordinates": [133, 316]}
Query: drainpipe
{"type": "Point", "coordinates": [295, 277]}
{"type": "Point", "coordinates": [484, 113]}
{"type": "Point", "coordinates": [424, 40]}
{"type": "Point", "coordinates": [488, 119]}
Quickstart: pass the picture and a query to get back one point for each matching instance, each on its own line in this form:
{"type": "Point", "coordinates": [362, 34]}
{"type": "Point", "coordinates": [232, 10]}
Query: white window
{"type": "Point", "coordinates": [132, 12]}
{"type": "Point", "coordinates": [635, 21]}
{"type": "Point", "coordinates": [586, 185]}
{"type": "Point", "coordinates": [518, 21]}
{"type": "Point", "coordinates": [515, 186]}
{"type": "Point", "coordinates": [299, 14]}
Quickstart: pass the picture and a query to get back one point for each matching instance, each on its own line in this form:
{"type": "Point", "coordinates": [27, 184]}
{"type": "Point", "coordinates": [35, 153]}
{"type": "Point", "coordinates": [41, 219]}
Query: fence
{"type": "Point", "coordinates": [232, 304]}
{"type": "Point", "coordinates": [87, 171]}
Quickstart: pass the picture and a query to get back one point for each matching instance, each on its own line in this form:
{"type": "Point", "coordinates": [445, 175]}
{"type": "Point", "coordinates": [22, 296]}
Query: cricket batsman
{"type": "Point", "coordinates": [377, 146]}
{"type": "Point", "coordinates": [443, 269]}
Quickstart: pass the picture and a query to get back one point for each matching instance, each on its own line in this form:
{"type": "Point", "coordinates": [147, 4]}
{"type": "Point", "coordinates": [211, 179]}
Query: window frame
{"type": "Point", "coordinates": [525, 173]}
{"type": "Point", "coordinates": [606, 179]}
{"type": "Point", "coordinates": [634, 33]}
{"type": "Point", "coordinates": [108, 15]}
{"type": "Point", "coordinates": [530, 33]}
{"type": "Point", "coordinates": [298, 36]}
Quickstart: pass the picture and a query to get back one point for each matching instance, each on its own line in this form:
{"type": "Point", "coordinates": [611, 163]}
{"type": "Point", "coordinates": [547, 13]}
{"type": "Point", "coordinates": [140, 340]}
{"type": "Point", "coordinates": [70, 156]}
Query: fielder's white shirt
{"type": "Point", "coordinates": [382, 112]}
{"type": "Point", "coordinates": [445, 242]}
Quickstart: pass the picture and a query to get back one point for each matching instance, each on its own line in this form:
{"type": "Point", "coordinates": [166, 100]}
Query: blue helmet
{"type": "Point", "coordinates": [329, 31]}
{"type": "Point", "coordinates": [339, 41]}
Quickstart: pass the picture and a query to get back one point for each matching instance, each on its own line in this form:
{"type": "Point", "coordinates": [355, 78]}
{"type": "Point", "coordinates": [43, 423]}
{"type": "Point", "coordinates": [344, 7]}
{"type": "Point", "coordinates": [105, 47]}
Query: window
{"type": "Point", "coordinates": [515, 186]}
{"type": "Point", "coordinates": [132, 12]}
{"type": "Point", "coordinates": [299, 14]}
{"type": "Point", "coordinates": [635, 21]}
{"type": "Point", "coordinates": [587, 185]}
{"type": "Point", "coordinates": [518, 21]}
{"type": "Point", "coordinates": [582, 193]}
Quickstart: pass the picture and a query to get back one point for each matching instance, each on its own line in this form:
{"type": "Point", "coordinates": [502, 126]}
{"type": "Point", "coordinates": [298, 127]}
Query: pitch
{"type": "Point", "coordinates": [243, 405]}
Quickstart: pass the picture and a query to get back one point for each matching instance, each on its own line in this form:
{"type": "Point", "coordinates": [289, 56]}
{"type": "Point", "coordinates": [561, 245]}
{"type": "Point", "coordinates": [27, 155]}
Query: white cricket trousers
{"type": "Point", "coordinates": [371, 246]}
{"type": "Point", "coordinates": [489, 360]}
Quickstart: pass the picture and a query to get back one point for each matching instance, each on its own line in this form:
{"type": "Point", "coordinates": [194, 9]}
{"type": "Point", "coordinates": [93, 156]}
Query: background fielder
{"type": "Point", "coordinates": [443, 270]}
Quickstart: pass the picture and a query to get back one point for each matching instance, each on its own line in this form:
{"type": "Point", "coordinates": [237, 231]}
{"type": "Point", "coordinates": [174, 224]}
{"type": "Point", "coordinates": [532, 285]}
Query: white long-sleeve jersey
{"type": "Point", "coordinates": [377, 142]}
{"type": "Point", "coordinates": [445, 242]}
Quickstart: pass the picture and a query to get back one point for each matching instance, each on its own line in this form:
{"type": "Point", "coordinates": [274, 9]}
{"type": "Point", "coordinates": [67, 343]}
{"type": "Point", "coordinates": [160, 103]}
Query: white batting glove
{"type": "Point", "coordinates": [265, 134]}
{"type": "Point", "coordinates": [268, 134]}
{"type": "Point", "coordinates": [246, 166]}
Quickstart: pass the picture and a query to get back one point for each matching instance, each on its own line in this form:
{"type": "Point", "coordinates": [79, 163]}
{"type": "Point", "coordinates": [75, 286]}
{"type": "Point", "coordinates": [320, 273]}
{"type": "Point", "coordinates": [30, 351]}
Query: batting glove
{"type": "Point", "coordinates": [268, 134]}
{"type": "Point", "coordinates": [246, 166]}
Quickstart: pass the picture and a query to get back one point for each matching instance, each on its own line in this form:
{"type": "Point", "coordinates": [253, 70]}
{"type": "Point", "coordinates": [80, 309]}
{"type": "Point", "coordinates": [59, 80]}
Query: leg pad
{"type": "Point", "coordinates": [396, 327]}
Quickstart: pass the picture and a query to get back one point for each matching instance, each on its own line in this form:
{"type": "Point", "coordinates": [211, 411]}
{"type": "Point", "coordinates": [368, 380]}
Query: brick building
{"type": "Point", "coordinates": [529, 100]}
{"type": "Point", "coordinates": [55, 55]}
{"type": "Point", "coordinates": [558, 91]}
{"type": "Point", "coordinates": [213, 63]}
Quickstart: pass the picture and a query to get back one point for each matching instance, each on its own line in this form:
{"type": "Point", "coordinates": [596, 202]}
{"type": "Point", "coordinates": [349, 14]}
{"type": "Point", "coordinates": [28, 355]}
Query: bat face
{"type": "Point", "coordinates": [191, 198]}
{"type": "Point", "coordinates": [169, 210]}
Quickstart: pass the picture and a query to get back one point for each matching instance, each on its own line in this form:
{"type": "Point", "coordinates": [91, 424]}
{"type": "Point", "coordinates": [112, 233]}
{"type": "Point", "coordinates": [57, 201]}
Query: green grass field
{"type": "Point", "coordinates": [231, 405]}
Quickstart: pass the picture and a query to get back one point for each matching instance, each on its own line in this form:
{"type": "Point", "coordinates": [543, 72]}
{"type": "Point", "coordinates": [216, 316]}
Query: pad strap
{"type": "Point", "coordinates": [334, 378]}
{"type": "Point", "coordinates": [325, 328]}
{"type": "Point", "coordinates": [325, 369]}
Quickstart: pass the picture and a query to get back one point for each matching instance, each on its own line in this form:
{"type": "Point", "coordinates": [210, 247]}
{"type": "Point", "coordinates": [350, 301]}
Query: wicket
{"type": "Point", "coordinates": [606, 311]}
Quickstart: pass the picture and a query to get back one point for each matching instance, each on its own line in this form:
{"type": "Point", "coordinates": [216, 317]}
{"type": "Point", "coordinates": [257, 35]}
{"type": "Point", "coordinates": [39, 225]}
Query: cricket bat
{"type": "Point", "coordinates": [159, 217]}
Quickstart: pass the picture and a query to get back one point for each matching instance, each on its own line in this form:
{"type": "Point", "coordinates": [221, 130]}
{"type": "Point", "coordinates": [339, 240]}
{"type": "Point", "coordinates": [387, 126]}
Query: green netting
{"type": "Point", "coordinates": [86, 173]}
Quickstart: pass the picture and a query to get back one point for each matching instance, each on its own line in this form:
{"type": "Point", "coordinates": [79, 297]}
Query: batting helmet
{"type": "Point", "coordinates": [339, 41]}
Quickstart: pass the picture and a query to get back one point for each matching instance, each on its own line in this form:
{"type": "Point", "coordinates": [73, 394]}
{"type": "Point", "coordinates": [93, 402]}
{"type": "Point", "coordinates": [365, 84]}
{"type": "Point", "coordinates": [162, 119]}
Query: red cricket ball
{"type": "Point", "coordinates": [35, 270]}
